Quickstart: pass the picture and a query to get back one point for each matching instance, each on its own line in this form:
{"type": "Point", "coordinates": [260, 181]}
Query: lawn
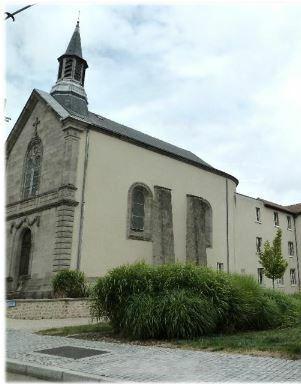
{"type": "Point", "coordinates": [284, 343]}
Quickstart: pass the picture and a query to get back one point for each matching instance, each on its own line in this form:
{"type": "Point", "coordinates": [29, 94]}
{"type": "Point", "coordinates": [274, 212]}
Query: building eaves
{"type": "Point", "coordinates": [292, 209]}
{"type": "Point", "coordinates": [295, 208]}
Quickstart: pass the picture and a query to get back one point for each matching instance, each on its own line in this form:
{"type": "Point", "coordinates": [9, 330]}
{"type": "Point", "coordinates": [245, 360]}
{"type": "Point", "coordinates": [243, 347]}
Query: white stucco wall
{"type": "Point", "coordinates": [246, 231]}
{"type": "Point", "coordinates": [113, 166]}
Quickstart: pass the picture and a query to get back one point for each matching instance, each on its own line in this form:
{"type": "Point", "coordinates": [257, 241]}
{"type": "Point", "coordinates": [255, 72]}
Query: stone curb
{"type": "Point", "coordinates": [50, 373]}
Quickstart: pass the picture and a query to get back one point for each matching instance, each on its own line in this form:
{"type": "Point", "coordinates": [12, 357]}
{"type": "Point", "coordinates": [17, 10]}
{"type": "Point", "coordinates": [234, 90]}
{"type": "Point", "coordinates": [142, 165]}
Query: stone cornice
{"type": "Point", "coordinates": [61, 196]}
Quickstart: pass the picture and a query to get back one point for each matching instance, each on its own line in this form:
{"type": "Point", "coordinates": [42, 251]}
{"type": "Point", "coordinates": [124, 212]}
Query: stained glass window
{"type": "Point", "coordinates": [137, 222]}
{"type": "Point", "coordinates": [32, 168]}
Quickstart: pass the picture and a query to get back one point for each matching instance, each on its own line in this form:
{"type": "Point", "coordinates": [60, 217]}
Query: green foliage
{"type": "Point", "coordinates": [186, 301]}
{"type": "Point", "coordinates": [171, 314]}
{"type": "Point", "coordinates": [185, 315]}
{"type": "Point", "coordinates": [271, 259]}
{"type": "Point", "coordinates": [68, 283]}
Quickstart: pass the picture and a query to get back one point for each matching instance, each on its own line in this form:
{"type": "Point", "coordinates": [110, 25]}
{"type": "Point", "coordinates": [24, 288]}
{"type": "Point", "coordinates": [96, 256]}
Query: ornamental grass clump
{"type": "Point", "coordinates": [186, 301]}
{"type": "Point", "coordinates": [69, 283]}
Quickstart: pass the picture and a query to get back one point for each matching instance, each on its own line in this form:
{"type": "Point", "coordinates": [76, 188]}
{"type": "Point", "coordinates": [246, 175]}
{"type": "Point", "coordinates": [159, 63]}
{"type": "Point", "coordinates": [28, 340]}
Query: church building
{"type": "Point", "coordinates": [87, 193]}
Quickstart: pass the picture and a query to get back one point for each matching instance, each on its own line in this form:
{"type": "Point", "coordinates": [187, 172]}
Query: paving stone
{"type": "Point", "coordinates": [134, 363]}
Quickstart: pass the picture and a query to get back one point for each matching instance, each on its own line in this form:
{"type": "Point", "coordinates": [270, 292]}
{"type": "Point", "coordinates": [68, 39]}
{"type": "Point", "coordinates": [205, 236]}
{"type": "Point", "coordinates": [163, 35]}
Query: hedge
{"type": "Point", "coordinates": [186, 301]}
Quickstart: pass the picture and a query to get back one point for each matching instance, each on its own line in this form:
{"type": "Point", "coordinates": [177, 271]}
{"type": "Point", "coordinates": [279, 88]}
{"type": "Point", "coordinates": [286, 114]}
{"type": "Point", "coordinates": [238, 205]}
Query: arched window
{"type": "Point", "coordinates": [32, 168]}
{"type": "Point", "coordinates": [139, 212]}
{"type": "Point", "coordinates": [25, 253]}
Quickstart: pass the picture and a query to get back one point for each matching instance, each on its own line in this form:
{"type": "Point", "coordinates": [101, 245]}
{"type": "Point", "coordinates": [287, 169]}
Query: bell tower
{"type": "Point", "coordinates": [69, 88]}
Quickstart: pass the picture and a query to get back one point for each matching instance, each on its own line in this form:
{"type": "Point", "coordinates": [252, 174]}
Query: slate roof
{"type": "Point", "coordinates": [123, 132]}
{"type": "Point", "coordinates": [293, 209]}
{"type": "Point", "coordinates": [74, 46]}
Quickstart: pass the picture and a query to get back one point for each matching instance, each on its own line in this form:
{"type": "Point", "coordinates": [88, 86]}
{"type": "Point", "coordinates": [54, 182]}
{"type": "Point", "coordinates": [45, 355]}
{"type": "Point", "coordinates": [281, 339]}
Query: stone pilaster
{"type": "Point", "coordinates": [64, 230]}
{"type": "Point", "coordinates": [163, 237]}
{"type": "Point", "coordinates": [72, 136]}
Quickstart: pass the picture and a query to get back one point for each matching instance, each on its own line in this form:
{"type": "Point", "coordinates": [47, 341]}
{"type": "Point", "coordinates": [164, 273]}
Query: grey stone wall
{"type": "Point", "coordinates": [49, 309]}
{"type": "Point", "coordinates": [199, 229]}
{"type": "Point", "coordinates": [42, 228]}
{"type": "Point", "coordinates": [50, 213]}
{"type": "Point", "coordinates": [52, 137]}
{"type": "Point", "coordinates": [163, 237]}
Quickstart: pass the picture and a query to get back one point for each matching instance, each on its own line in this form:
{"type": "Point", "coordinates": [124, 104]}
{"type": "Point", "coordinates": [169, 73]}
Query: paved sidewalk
{"type": "Point", "coordinates": [125, 362]}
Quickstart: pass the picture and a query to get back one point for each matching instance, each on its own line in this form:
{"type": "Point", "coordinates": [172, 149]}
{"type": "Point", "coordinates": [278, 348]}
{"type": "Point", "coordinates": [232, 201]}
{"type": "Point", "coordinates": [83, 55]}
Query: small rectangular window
{"type": "Point", "coordinates": [293, 276]}
{"type": "Point", "coordinates": [280, 281]}
{"type": "Point", "coordinates": [289, 222]}
{"type": "Point", "coordinates": [220, 266]}
{"type": "Point", "coordinates": [258, 244]}
{"type": "Point", "coordinates": [258, 214]}
{"type": "Point", "coordinates": [291, 248]}
{"type": "Point", "coordinates": [260, 275]}
{"type": "Point", "coordinates": [276, 219]}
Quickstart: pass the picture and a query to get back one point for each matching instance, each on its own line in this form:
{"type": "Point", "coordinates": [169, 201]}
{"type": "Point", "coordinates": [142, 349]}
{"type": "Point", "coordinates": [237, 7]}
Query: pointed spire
{"type": "Point", "coordinates": [69, 88]}
{"type": "Point", "coordinates": [75, 46]}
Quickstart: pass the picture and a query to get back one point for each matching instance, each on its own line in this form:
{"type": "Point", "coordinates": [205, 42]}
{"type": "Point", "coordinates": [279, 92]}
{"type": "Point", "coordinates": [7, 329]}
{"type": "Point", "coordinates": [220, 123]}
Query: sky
{"type": "Point", "coordinates": [222, 80]}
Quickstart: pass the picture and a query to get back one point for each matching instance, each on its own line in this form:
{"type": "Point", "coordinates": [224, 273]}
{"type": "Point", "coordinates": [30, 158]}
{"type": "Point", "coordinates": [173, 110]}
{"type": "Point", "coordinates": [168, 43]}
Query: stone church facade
{"type": "Point", "coordinates": [84, 192]}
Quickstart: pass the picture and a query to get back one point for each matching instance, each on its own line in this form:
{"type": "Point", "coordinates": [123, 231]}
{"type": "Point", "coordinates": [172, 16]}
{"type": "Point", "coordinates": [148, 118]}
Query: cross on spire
{"type": "Point", "coordinates": [35, 125]}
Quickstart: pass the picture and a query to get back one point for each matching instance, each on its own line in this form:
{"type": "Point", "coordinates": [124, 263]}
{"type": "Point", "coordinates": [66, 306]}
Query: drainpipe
{"type": "Point", "coordinates": [298, 267]}
{"type": "Point", "coordinates": [82, 207]}
{"type": "Point", "coordinates": [227, 227]}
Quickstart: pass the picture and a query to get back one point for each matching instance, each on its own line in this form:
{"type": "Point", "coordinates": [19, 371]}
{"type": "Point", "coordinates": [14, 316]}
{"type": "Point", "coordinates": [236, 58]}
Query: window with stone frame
{"type": "Point", "coordinates": [260, 274]}
{"type": "Point", "coordinates": [258, 214]}
{"type": "Point", "coordinates": [32, 168]}
{"type": "Point", "coordinates": [291, 248]}
{"type": "Point", "coordinates": [289, 222]}
{"type": "Point", "coordinates": [220, 267]}
{"type": "Point", "coordinates": [258, 244]}
{"type": "Point", "coordinates": [139, 212]}
{"type": "Point", "coordinates": [293, 276]}
{"type": "Point", "coordinates": [138, 208]}
{"type": "Point", "coordinates": [280, 281]}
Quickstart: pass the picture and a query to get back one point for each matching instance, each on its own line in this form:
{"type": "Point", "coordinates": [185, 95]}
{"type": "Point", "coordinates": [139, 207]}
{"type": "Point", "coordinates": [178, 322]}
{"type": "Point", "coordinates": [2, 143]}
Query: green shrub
{"type": "Point", "coordinates": [244, 302]}
{"type": "Point", "coordinates": [288, 307]}
{"type": "Point", "coordinates": [185, 315]}
{"type": "Point", "coordinates": [141, 318]}
{"type": "Point", "coordinates": [169, 315]}
{"type": "Point", "coordinates": [185, 301]}
{"type": "Point", "coordinates": [68, 283]}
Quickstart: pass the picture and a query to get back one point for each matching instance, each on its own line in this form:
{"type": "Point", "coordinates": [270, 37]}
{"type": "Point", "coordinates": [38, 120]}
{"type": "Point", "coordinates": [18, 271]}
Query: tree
{"type": "Point", "coordinates": [271, 259]}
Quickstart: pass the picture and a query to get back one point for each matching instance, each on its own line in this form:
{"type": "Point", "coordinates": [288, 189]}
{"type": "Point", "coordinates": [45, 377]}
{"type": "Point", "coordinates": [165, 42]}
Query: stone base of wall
{"type": "Point", "coordinates": [34, 309]}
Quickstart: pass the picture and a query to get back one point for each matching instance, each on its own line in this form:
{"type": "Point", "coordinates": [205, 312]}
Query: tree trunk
{"type": "Point", "coordinates": [273, 283]}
